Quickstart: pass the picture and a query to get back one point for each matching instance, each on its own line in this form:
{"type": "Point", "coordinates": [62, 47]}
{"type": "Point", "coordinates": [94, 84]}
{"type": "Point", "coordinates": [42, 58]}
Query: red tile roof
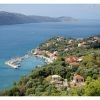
{"type": "Point", "coordinates": [71, 59]}
{"type": "Point", "coordinates": [77, 76]}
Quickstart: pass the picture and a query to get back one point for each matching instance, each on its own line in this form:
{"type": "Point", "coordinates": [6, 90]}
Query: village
{"type": "Point", "coordinates": [72, 67]}
{"type": "Point", "coordinates": [51, 51]}
{"type": "Point", "coordinates": [72, 60]}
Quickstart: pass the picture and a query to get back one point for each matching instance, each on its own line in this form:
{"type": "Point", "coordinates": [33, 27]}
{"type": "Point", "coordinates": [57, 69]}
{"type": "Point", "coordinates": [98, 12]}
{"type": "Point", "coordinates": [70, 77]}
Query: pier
{"type": "Point", "coordinates": [14, 63]}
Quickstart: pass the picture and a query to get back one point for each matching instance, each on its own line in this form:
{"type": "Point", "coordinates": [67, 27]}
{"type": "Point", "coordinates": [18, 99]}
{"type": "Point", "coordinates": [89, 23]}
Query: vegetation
{"type": "Point", "coordinates": [37, 84]}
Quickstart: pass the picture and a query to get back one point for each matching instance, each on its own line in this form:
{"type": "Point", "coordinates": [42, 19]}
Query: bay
{"type": "Point", "coordinates": [17, 40]}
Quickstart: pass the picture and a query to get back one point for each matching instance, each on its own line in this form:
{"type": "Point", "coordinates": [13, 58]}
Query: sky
{"type": "Point", "coordinates": [82, 11]}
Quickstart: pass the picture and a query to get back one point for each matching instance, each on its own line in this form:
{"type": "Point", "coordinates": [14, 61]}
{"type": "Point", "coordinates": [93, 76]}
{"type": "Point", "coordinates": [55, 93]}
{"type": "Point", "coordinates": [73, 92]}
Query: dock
{"type": "Point", "coordinates": [14, 63]}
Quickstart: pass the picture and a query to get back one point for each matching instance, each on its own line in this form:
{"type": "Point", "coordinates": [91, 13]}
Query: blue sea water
{"type": "Point", "coordinates": [16, 40]}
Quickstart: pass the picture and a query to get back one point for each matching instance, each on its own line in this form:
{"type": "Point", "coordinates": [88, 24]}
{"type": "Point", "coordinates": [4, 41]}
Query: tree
{"type": "Point", "coordinates": [92, 87]}
{"type": "Point", "coordinates": [30, 91]}
{"type": "Point", "coordinates": [13, 92]}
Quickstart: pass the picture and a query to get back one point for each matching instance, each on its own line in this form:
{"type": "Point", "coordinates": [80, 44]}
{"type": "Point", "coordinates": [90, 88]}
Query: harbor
{"type": "Point", "coordinates": [15, 62]}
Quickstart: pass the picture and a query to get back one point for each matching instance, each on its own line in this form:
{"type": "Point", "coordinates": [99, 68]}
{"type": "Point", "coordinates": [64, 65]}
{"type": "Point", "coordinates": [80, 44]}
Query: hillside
{"type": "Point", "coordinates": [74, 70]}
{"type": "Point", "coordinates": [7, 18]}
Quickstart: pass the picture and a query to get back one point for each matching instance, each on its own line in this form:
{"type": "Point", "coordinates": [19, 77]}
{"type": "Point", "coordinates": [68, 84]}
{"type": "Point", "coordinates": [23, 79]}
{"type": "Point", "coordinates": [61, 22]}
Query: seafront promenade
{"type": "Point", "coordinates": [47, 60]}
{"type": "Point", "coordinates": [16, 62]}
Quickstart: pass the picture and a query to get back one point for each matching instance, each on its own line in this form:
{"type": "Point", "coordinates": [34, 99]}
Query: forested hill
{"type": "Point", "coordinates": [75, 70]}
{"type": "Point", "coordinates": [7, 18]}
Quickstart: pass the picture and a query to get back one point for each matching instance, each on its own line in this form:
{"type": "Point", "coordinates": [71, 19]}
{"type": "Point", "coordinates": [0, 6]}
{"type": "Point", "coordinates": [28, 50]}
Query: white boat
{"type": "Point", "coordinates": [13, 65]}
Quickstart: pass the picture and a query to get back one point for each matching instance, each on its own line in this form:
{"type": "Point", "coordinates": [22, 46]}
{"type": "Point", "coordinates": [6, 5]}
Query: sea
{"type": "Point", "coordinates": [17, 40]}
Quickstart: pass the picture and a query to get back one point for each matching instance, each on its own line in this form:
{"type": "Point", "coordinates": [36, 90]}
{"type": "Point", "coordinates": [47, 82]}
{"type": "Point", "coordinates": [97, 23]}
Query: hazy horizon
{"type": "Point", "coordinates": [81, 11]}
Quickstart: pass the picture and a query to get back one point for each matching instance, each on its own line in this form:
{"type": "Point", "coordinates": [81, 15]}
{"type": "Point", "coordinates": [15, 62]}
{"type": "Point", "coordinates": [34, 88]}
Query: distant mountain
{"type": "Point", "coordinates": [7, 18]}
{"type": "Point", "coordinates": [65, 19]}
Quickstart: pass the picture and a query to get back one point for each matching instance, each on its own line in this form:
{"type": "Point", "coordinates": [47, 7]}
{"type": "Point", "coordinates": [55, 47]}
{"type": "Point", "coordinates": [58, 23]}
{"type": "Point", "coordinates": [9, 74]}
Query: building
{"type": "Point", "coordinates": [52, 56]}
{"type": "Point", "coordinates": [78, 80]}
{"type": "Point", "coordinates": [74, 60]}
{"type": "Point", "coordinates": [96, 38]}
{"type": "Point", "coordinates": [71, 59]}
{"type": "Point", "coordinates": [80, 59]}
{"type": "Point", "coordinates": [55, 78]}
{"type": "Point", "coordinates": [57, 81]}
{"type": "Point", "coordinates": [37, 51]}
{"type": "Point", "coordinates": [82, 44]}
{"type": "Point", "coordinates": [70, 41]}
{"type": "Point", "coordinates": [60, 38]}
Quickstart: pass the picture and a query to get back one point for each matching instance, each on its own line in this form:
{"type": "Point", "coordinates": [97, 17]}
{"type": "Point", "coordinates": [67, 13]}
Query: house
{"type": "Point", "coordinates": [55, 78]}
{"type": "Point", "coordinates": [70, 41]}
{"type": "Point", "coordinates": [80, 59]}
{"type": "Point", "coordinates": [71, 59]}
{"type": "Point", "coordinates": [37, 51]}
{"type": "Point", "coordinates": [60, 38]}
{"type": "Point", "coordinates": [74, 60]}
{"type": "Point", "coordinates": [48, 53]}
{"type": "Point", "coordinates": [96, 38]}
{"type": "Point", "coordinates": [57, 81]}
{"type": "Point", "coordinates": [52, 56]}
{"type": "Point", "coordinates": [78, 80]}
{"type": "Point", "coordinates": [48, 44]}
{"type": "Point", "coordinates": [82, 44]}
{"type": "Point", "coordinates": [55, 53]}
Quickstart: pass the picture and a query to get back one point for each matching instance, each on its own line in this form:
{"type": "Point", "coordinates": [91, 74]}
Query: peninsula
{"type": "Point", "coordinates": [8, 18]}
{"type": "Point", "coordinates": [73, 68]}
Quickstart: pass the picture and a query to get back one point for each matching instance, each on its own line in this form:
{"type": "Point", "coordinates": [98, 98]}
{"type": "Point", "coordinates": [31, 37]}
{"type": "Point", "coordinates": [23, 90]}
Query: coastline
{"type": "Point", "coordinates": [59, 69]}
{"type": "Point", "coordinates": [46, 59]}
{"type": "Point", "coordinates": [15, 62]}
